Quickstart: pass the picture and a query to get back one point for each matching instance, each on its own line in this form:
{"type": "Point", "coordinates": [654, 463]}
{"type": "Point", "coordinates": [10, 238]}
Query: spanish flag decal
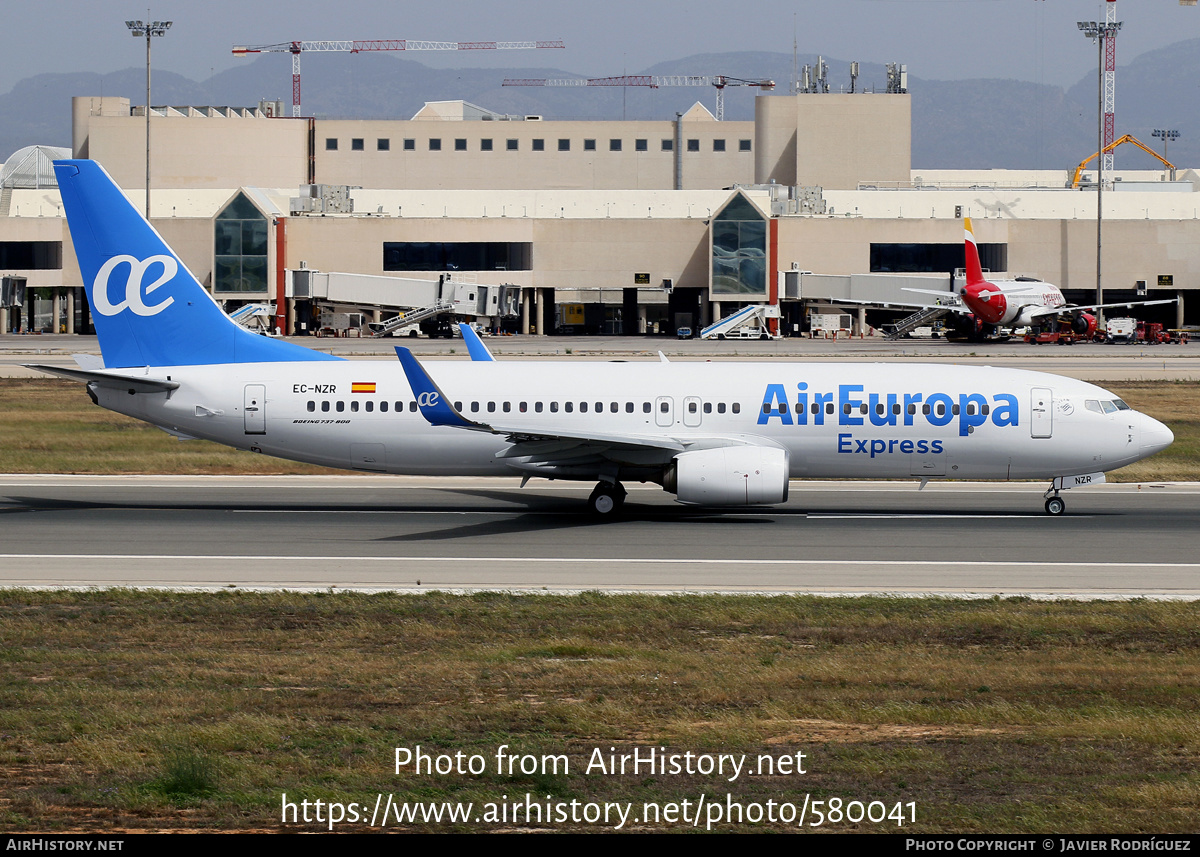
{"type": "Point", "coordinates": [362, 387]}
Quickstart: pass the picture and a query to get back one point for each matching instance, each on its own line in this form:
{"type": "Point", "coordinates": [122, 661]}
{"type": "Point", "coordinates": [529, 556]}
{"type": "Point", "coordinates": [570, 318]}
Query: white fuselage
{"type": "Point", "coordinates": [835, 420]}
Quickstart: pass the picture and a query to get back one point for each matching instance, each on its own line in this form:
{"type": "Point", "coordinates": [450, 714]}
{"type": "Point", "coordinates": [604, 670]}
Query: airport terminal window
{"type": "Point", "coordinates": [743, 145]}
{"type": "Point", "coordinates": [718, 145]}
{"type": "Point", "coordinates": [589, 145]}
{"type": "Point", "coordinates": [511, 145]}
{"type": "Point", "coordinates": [564, 145]}
{"type": "Point", "coordinates": [457, 256]}
{"type": "Point", "coordinates": [383, 144]}
{"type": "Point", "coordinates": [331, 144]}
{"type": "Point", "coordinates": [933, 258]}
{"type": "Point", "coordinates": [739, 249]}
{"type": "Point", "coordinates": [693, 145]}
{"type": "Point", "coordinates": [668, 145]}
{"type": "Point", "coordinates": [460, 144]}
{"type": "Point", "coordinates": [30, 255]}
{"type": "Point", "coordinates": [357, 144]}
{"type": "Point", "coordinates": [435, 144]}
{"type": "Point", "coordinates": [640, 145]}
{"type": "Point", "coordinates": [539, 145]}
{"type": "Point", "coordinates": [485, 145]}
{"type": "Point", "coordinates": [240, 248]}
{"type": "Point", "coordinates": [409, 144]}
{"type": "Point", "coordinates": [614, 145]}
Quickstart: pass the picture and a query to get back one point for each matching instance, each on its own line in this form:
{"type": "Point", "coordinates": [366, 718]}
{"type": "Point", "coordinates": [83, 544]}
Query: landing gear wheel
{"type": "Point", "coordinates": [607, 499]}
{"type": "Point", "coordinates": [1056, 506]}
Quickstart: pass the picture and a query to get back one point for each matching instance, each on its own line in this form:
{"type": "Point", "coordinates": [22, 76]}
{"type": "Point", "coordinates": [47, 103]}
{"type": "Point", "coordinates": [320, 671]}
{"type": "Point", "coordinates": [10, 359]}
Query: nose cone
{"type": "Point", "coordinates": [1155, 436]}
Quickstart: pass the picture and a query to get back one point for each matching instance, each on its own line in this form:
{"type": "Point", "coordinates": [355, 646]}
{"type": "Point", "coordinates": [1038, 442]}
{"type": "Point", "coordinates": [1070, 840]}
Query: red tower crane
{"type": "Point", "coordinates": [354, 47]}
{"type": "Point", "coordinates": [718, 81]}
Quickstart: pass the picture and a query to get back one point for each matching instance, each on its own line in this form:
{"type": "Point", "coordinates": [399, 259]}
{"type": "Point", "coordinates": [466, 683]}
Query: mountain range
{"type": "Point", "coordinates": [965, 124]}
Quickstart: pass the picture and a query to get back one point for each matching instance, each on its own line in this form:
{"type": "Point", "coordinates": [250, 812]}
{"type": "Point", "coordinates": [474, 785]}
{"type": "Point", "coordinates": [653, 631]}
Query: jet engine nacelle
{"type": "Point", "coordinates": [1084, 324]}
{"type": "Point", "coordinates": [731, 476]}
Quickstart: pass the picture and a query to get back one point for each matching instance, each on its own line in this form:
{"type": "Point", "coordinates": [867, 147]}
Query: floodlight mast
{"type": "Point", "coordinates": [149, 29]}
{"type": "Point", "coordinates": [1166, 135]}
{"type": "Point", "coordinates": [1101, 33]}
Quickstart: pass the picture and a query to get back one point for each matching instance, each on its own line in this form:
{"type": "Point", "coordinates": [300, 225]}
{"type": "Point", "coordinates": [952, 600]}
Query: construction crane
{"type": "Point", "coordinates": [1128, 138]}
{"type": "Point", "coordinates": [354, 47]}
{"type": "Point", "coordinates": [718, 81]}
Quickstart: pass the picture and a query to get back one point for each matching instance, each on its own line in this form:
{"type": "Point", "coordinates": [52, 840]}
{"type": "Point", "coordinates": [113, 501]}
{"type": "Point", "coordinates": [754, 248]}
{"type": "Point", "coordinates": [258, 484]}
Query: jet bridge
{"type": "Point", "coordinates": [415, 299]}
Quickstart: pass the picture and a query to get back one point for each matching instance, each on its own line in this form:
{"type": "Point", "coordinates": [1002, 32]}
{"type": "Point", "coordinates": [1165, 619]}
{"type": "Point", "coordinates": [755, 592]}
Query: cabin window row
{"type": "Point", "coordinates": [370, 406]}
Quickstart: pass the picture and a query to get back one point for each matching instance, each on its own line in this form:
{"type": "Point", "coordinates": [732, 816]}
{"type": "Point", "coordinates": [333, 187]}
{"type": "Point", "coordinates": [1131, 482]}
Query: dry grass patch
{"type": "Point", "coordinates": [130, 708]}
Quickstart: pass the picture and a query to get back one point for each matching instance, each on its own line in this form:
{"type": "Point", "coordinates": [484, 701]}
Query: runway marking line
{"type": "Point", "coordinates": [600, 561]}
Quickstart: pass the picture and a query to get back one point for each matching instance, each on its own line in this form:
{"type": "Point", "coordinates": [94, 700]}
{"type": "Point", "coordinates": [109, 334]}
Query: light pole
{"type": "Point", "coordinates": [1098, 31]}
{"type": "Point", "coordinates": [137, 29]}
{"type": "Point", "coordinates": [1166, 136]}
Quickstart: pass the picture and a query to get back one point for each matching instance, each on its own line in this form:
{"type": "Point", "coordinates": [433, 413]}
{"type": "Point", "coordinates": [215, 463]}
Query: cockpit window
{"type": "Point", "coordinates": [1121, 406]}
{"type": "Point", "coordinates": [1093, 405]}
{"type": "Point", "coordinates": [1109, 407]}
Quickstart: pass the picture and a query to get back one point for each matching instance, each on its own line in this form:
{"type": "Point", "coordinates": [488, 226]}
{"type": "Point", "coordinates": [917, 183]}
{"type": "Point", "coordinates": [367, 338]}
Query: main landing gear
{"type": "Point", "coordinates": [607, 499]}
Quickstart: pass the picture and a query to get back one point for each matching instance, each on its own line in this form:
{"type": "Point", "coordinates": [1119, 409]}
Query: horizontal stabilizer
{"type": "Point", "coordinates": [117, 381]}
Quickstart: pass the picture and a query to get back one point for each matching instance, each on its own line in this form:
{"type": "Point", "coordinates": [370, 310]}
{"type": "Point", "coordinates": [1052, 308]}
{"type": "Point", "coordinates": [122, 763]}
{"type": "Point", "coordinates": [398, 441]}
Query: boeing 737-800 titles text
{"type": "Point", "coordinates": [712, 434]}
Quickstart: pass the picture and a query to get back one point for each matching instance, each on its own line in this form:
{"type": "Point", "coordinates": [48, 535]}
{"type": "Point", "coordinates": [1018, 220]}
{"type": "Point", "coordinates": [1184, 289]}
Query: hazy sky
{"type": "Point", "coordinates": [1034, 40]}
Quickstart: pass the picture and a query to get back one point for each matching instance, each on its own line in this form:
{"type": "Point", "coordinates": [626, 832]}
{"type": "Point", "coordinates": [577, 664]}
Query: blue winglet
{"type": "Point", "coordinates": [475, 346]}
{"type": "Point", "coordinates": [431, 401]}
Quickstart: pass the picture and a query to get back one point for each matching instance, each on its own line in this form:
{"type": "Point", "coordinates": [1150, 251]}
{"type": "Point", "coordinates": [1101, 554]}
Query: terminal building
{"type": "Point", "coordinates": [547, 226]}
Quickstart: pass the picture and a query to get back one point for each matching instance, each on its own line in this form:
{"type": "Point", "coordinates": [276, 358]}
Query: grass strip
{"type": "Point", "coordinates": [132, 710]}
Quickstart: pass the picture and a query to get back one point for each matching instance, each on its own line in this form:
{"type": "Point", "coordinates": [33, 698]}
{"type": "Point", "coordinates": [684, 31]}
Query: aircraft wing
{"type": "Point", "coordinates": [1091, 307]}
{"type": "Point", "coordinates": [557, 445]}
{"type": "Point", "coordinates": [438, 410]}
{"type": "Point", "coordinates": [913, 305]}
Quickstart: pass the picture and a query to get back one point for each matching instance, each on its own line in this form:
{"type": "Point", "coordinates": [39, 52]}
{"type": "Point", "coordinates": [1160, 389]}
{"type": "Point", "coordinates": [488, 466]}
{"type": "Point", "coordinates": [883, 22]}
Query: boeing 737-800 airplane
{"type": "Point", "coordinates": [712, 434]}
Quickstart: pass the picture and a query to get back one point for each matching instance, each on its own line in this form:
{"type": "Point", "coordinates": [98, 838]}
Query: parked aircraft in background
{"type": "Point", "coordinates": [712, 434]}
{"type": "Point", "coordinates": [1022, 302]}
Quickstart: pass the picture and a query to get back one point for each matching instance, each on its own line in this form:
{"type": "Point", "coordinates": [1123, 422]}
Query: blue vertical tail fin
{"type": "Point", "coordinates": [148, 308]}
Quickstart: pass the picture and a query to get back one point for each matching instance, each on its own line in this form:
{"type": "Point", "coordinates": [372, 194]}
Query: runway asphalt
{"type": "Point", "coordinates": [1089, 362]}
{"type": "Point", "coordinates": [417, 534]}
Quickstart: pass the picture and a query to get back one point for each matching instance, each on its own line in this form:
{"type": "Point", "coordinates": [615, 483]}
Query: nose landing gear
{"type": "Point", "coordinates": [1055, 505]}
